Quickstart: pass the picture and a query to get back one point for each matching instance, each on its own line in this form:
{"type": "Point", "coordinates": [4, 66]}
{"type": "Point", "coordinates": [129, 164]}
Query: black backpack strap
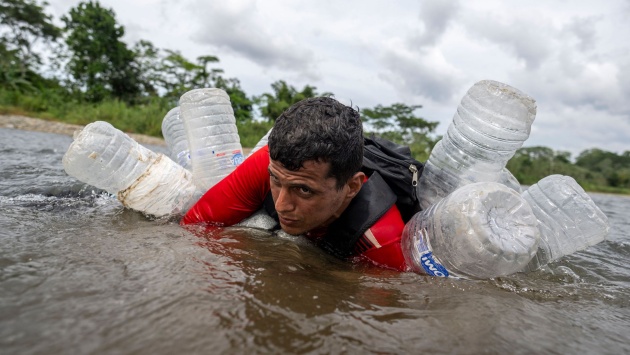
{"type": "Point", "coordinates": [270, 207]}
{"type": "Point", "coordinates": [370, 204]}
{"type": "Point", "coordinates": [395, 163]}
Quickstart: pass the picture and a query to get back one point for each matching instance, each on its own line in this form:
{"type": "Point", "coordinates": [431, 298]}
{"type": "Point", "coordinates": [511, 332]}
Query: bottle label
{"type": "Point", "coordinates": [429, 264]}
{"type": "Point", "coordinates": [432, 267]}
{"type": "Point", "coordinates": [183, 157]}
{"type": "Point", "coordinates": [237, 158]}
{"type": "Point", "coordinates": [228, 160]}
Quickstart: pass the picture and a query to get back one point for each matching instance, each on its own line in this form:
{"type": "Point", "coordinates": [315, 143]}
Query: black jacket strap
{"type": "Point", "coordinates": [270, 207]}
{"type": "Point", "coordinates": [370, 204]}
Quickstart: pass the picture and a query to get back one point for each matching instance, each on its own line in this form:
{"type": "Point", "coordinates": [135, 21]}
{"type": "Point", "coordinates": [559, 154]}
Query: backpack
{"type": "Point", "coordinates": [398, 168]}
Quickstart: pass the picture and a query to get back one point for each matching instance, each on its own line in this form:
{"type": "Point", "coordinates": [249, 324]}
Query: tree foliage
{"type": "Point", "coordinates": [399, 123]}
{"type": "Point", "coordinates": [172, 74]}
{"type": "Point", "coordinates": [531, 164]}
{"type": "Point", "coordinates": [179, 75]}
{"type": "Point", "coordinates": [283, 96]}
{"type": "Point", "coordinates": [22, 24]}
{"type": "Point", "coordinates": [616, 168]}
{"type": "Point", "coordinates": [100, 63]}
{"type": "Point", "coordinates": [243, 106]}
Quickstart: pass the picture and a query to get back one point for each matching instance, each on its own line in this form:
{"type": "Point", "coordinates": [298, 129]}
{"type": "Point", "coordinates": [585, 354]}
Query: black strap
{"type": "Point", "coordinates": [270, 207]}
{"type": "Point", "coordinates": [394, 162]}
{"type": "Point", "coordinates": [370, 204]}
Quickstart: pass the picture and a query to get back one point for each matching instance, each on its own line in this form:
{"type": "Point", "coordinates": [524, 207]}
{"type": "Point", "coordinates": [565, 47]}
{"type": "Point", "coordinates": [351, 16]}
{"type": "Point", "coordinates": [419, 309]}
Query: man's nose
{"type": "Point", "coordinates": [284, 201]}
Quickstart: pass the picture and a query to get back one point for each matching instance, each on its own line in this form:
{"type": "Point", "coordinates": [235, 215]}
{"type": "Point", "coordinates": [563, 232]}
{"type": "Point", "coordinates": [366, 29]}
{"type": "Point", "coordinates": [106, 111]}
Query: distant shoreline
{"type": "Point", "coordinates": [39, 125]}
{"type": "Point", "coordinates": [25, 123]}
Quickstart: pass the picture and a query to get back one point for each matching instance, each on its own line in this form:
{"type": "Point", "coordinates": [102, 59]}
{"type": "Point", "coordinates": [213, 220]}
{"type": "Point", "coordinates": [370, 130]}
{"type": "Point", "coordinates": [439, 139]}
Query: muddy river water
{"type": "Point", "coordinates": [79, 274]}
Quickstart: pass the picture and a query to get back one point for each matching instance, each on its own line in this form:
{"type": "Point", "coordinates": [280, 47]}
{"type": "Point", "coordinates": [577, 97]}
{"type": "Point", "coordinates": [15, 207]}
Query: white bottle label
{"type": "Point", "coordinates": [429, 264]}
{"type": "Point", "coordinates": [229, 160]}
{"type": "Point", "coordinates": [237, 158]}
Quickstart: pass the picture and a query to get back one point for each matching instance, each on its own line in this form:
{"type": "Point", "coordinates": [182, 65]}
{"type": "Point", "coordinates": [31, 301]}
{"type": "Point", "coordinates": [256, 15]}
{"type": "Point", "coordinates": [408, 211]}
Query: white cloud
{"type": "Point", "coordinates": [575, 129]}
{"type": "Point", "coordinates": [435, 18]}
{"type": "Point", "coordinates": [571, 56]}
{"type": "Point", "coordinates": [525, 38]}
{"type": "Point", "coordinates": [423, 73]}
{"type": "Point", "coordinates": [240, 27]}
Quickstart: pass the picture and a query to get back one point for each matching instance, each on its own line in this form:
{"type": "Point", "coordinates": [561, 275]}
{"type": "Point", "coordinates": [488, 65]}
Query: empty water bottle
{"type": "Point", "coordinates": [175, 138]}
{"type": "Point", "coordinates": [105, 157]}
{"type": "Point", "coordinates": [260, 219]}
{"type": "Point", "coordinates": [143, 180]}
{"type": "Point", "coordinates": [491, 123]}
{"type": "Point", "coordinates": [568, 219]}
{"type": "Point", "coordinates": [215, 148]}
{"type": "Point", "coordinates": [481, 230]}
{"type": "Point", "coordinates": [261, 143]}
{"type": "Point", "coordinates": [508, 179]}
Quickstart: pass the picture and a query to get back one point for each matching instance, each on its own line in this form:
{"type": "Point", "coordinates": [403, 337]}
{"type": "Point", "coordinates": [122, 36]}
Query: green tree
{"type": "Point", "coordinates": [615, 167]}
{"type": "Point", "coordinates": [147, 61]}
{"type": "Point", "coordinates": [100, 63]}
{"type": "Point", "coordinates": [399, 123]}
{"type": "Point", "coordinates": [530, 164]}
{"type": "Point", "coordinates": [171, 73]}
{"type": "Point", "coordinates": [178, 74]}
{"type": "Point", "coordinates": [22, 24]}
{"type": "Point", "coordinates": [242, 105]}
{"type": "Point", "coordinates": [273, 104]}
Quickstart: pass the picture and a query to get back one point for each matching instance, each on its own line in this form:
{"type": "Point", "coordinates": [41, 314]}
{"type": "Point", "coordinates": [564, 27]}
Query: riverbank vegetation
{"type": "Point", "coordinates": [83, 72]}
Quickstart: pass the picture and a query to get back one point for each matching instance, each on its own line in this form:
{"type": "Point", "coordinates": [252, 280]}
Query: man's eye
{"type": "Point", "coordinates": [305, 190]}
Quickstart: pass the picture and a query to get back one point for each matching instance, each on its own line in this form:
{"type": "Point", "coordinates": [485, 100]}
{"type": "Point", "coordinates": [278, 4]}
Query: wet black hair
{"type": "Point", "coordinates": [321, 129]}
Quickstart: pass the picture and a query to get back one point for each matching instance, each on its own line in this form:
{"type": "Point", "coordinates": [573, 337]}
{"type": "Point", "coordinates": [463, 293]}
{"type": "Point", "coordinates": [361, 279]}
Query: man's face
{"type": "Point", "coordinates": [307, 198]}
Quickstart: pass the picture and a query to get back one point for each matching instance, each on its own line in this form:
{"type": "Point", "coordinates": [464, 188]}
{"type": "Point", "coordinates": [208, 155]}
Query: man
{"type": "Point", "coordinates": [309, 178]}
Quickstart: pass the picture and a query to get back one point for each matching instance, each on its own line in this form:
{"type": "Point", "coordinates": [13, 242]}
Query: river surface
{"type": "Point", "coordinates": [79, 274]}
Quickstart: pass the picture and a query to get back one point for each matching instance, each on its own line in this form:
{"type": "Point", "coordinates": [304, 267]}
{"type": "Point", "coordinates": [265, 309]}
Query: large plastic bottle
{"type": "Point", "coordinates": [215, 147]}
{"type": "Point", "coordinates": [568, 219]}
{"type": "Point", "coordinates": [491, 123]}
{"type": "Point", "coordinates": [481, 230]}
{"type": "Point", "coordinates": [143, 180]}
{"type": "Point", "coordinates": [175, 138]}
{"type": "Point", "coordinates": [508, 179]}
{"type": "Point", "coordinates": [261, 143]}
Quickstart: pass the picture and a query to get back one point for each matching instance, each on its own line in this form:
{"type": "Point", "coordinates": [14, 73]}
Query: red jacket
{"type": "Point", "coordinates": [243, 192]}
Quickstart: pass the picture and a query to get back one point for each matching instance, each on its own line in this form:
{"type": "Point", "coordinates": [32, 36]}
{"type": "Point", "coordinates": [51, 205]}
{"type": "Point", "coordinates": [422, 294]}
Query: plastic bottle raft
{"type": "Point", "coordinates": [475, 220]}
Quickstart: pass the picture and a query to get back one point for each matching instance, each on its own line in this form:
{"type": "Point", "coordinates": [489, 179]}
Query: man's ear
{"type": "Point", "coordinates": [355, 183]}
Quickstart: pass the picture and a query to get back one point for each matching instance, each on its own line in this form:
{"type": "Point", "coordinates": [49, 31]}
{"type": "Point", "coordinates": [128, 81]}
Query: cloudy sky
{"type": "Point", "coordinates": [572, 57]}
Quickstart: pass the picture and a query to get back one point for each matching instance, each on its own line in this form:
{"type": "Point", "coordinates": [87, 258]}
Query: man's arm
{"type": "Point", "coordinates": [380, 244]}
{"type": "Point", "coordinates": [235, 197]}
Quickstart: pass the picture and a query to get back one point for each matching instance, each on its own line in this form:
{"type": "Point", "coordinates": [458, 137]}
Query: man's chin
{"type": "Point", "coordinates": [291, 230]}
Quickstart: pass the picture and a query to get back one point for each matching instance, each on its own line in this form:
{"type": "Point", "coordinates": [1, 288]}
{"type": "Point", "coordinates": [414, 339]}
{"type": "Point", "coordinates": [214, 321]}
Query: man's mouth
{"type": "Point", "coordinates": [288, 221]}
